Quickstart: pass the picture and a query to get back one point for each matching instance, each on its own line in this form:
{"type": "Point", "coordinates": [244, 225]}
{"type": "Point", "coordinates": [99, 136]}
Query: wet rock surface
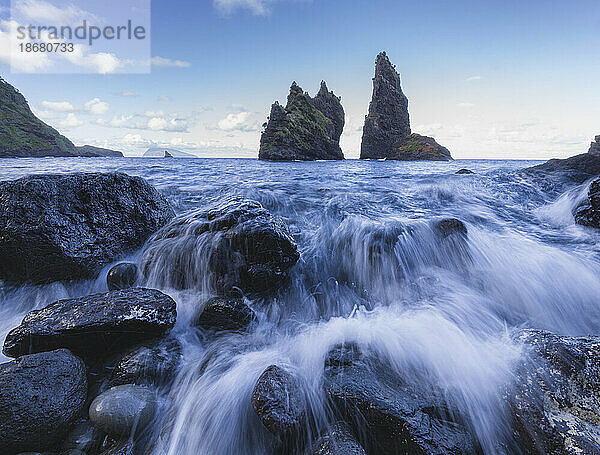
{"type": "Point", "coordinates": [222, 314]}
{"type": "Point", "coordinates": [579, 168]}
{"type": "Point", "coordinates": [464, 171]}
{"type": "Point", "coordinates": [95, 325]}
{"type": "Point", "coordinates": [122, 276]}
{"type": "Point", "coordinates": [450, 226]}
{"type": "Point", "coordinates": [278, 400]}
{"type": "Point", "coordinates": [305, 129]}
{"type": "Point", "coordinates": [395, 416]}
{"type": "Point", "coordinates": [67, 227]}
{"type": "Point", "coordinates": [556, 400]}
{"type": "Point", "coordinates": [154, 364]}
{"type": "Point", "coordinates": [41, 396]}
{"type": "Point", "coordinates": [238, 246]}
{"type": "Point", "coordinates": [123, 410]}
{"type": "Point", "coordinates": [338, 440]}
{"type": "Point", "coordinates": [588, 214]}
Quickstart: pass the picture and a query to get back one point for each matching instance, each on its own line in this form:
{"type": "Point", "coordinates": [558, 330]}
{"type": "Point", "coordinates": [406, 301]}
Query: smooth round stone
{"type": "Point", "coordinates": [122, 276]}
{"type": "Point", "coordinates": [123, 410]}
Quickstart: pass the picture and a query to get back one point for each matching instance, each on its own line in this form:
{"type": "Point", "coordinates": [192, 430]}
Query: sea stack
{"type": "Point", "coordinates": [595, 146]}
{"type": "Point", "coordinates": [306, 129]}
{"type": "Point", "coordinates": [386, 132]}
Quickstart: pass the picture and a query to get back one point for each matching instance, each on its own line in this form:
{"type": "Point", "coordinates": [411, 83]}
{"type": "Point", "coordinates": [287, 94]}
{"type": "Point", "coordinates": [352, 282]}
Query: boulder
{"type": "Point", "coordinates": [588, 213]}
{"type": "Point", "coordinates": [155, 364]}
{"type": "Point", "coordinates": [555, 400]}
{"type": "Point", "coordinates": [338, 440]}
{"type": "Point", "coordinates": [225, 314]}
{"type": "Point", "coordinates": [279, 402]}
{"type": "Point", "coordinates": [95, 325]}
{"type": "Point", "coordinates": [122, 276]}
{"type": "Point", "coordinates": [305, 129]}
{"type": "Point", "coordinates": [450, 226]}
{"type": "Point", "coordinates": [67, 227]}
{"type": "Point", "coordinates": [41, 396]}
{"type": "Point", "coordinates": [236, 246]}
{"type": "Point", "coordinates": [120, 447]}
{"type": "Point", "coordinates": [464, 171]}
{"type": "Point", "coordinates": [123, 410]}
{"type": "Point", "coordinates": [395, 416]}
{"type": "Point", "coordinates": [386, 132]}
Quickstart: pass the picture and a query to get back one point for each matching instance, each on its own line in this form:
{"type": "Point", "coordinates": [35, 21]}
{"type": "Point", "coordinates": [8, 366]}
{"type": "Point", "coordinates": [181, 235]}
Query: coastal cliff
{"type": "Point", "coordinates": [306, 129]}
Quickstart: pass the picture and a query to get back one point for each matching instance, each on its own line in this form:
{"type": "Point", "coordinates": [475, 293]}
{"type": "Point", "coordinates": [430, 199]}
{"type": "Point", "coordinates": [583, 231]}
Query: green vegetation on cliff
{"type": "Point", "coordinates": [22, 134]}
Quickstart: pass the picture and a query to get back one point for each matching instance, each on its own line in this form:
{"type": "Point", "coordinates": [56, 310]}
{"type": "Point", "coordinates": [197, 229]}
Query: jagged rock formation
{"type": "Point", "coordinates": [305, 129]}
{"type": "Point", "coordinates": [92, 151]}
{"type": "Point", "coordinates": [386, 132]}
{"type": "Point", "coordinates": [588, 213]}
{"type": "Point", "coordinates": [22, 134]}
{"type": "Point", "coordinates": [595, 146]}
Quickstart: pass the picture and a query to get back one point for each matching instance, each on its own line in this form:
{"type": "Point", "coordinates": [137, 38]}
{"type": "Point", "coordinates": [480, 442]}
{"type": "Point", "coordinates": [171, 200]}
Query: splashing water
{"type": "Point", "coordinates": [374, 271]}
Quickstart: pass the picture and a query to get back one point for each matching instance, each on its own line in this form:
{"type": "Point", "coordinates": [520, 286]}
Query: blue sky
{"type": "Point", "coordinates": [487, 79]}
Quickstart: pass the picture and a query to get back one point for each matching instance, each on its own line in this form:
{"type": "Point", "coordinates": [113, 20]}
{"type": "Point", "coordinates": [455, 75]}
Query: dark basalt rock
{"type": "Point", "coordinates": [464, 171]}
{"type": "Point", "coordinates": [388, 120]}
{"type": "Point", "coordinates": [556, 395]}
{"type": "Point", "coordinates": [579, 168]}
{"type": "Point", "coordinates": [95, 325]}
{"type": "Point", "coordinates": [123, 410]}
{"type": "Point", "coordinates": [279, 402]}
{"type": "Point", "coordinates": [396, 417]}
{"type": "Point", "coordinates": [416, 147]}
{"type": "Point", "coordinates": [66, 227]}
{"type": "Point", "coordinates": [588, 214]}
{"type": "Point", "coordinates": [222, 314]}
{"type": "Point", "coordinates": [386, 132]}
{"type": "Point", "coordinates": [154, 364]}
{"type": "Point", "coordinates": [450, 226]}
{"type": "Point", "coordinates": [120, 447]}
{"type": "Point", "coordinates": [122, 276]}
{"type": "Point", "coordinates": [339, 440]}
{"type": "Point", "coordinates": [236, 246]}
{"type": "Point", "coordinates": [41, 396]}
{"type": "Point", "coordinates": [306, 129]}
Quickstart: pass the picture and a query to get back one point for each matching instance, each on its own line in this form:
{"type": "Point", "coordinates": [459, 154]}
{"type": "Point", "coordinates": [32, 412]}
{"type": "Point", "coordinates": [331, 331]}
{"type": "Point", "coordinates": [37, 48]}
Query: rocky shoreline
{"type": "Point", "coordinates": [88, 373]}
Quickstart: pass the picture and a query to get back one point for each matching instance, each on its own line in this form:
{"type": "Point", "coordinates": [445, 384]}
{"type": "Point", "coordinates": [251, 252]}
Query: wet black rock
{"type": "Point", "coordinates": [338, 440]}
{"type": "Point", "coordinates": [450, 226]}
{"type": "Point", "coordinates": [95, 325]}
{"type": "Point", "coordinates": [154, 364]}
{"type": "Point", "coordinates": [555, 399]}
{"type": "Point", "coordinates": [578, 168]}
{"type": "Point", "coordinates": [236, 246]}
{"type": "Point", "coordinates": [588, 214]}
{"type": "Point", "coordinates": [386, 132]}
{"type": "Point", "coordinates": [279, 402]}
{"type": "Point", "coordinates": [41, 396]}
{"type": "Point", "coordinates": [221, 314]}
{"type": "Point", "coordinates": [305, 129]}
{"type": "Point", "coordinates": [464, 171]}
{"type": "Point", "coordinates": [66, 227]}
{"type": "Point", "coordinates": [123, 410]}
{"type": "Point", "coordinates": [396, 417]}
{"type": "Point", "coordinates": [120, 447]}
{"type": "Point", "coordinates": [122, 276]}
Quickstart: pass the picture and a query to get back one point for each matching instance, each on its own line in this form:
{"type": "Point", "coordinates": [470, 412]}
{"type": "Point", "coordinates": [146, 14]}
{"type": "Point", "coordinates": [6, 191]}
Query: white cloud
{"type": "Point", "coordinates": [240, 121]}
{"type": "Point", "coordinates": [167, 62]}
{"type": "Point", "coordinates": [127, 93]}
{"type": "Point", "coordinates": [152, 121]}
{"type": "Point", "coordinates": [58, 106]}
{"type": "Point", "coordinates": [21, 61]}
{"type": "Point", "coordinates": [42, 11]}
{"type": "Point", "coordinates": [473, 78]}
{"type": "Point", "coordinates": [257, 7]}
{"type": "Point", "coordinates": [71, 121]}
{"type": "Point", "coordinates": [163, 98]}
{"type": "Point", "coordinates": [465, 105]}
{"type": "Point", "coordinates": [96, 107]}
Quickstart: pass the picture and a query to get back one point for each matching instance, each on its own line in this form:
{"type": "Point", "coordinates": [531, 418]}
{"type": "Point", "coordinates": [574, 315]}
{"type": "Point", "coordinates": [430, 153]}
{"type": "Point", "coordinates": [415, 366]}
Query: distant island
{"type": "Point", "coordinates": [90, 150]}
{"type": "Point", "coordinates": [161, 152]}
